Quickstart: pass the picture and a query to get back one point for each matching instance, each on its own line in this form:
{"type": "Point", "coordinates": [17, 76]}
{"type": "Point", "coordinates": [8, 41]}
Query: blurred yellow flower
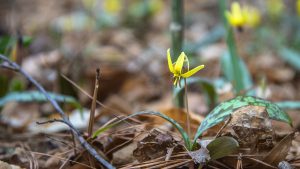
{"type": "Point", "coordinates": [298, 7]}
{"type": "Point", "coordinates": [235, 17]}
{"type": "Point", "coordinates": [89, 4]}
{"type": "Point", "coordinates": [275, 7]}
{"type": "Point", "coordinates": [252, 16]}
{"type": "Point", "coordinates": [155, 6]}
{"type": "Point", "coordinates": [242, 16]}
{"type": "Point", "coordinates": [112, 6]}
{"type": "Point", "coordinates": [176, 68]}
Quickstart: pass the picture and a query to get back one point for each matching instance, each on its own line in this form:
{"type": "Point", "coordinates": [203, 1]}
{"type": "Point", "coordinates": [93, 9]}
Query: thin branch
{"type": "Point", "coordinates": [92, 114]}
{"type": "Point", "coordinates": [222, 128]}
{"type": "Point", "coordinates": [6, 66]}
{"type": "Point", "coordinates": [93, 107]}
{"type": "Point", "coordinates": [76, 133]}
{"type": "Point", "coordinates": [50, 121]}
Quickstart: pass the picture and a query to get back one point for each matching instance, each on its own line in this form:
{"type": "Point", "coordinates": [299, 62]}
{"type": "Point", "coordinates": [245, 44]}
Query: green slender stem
{"type": "Point", "coordinates": [177, 27]}
{"type": "Point", "coordinates": [177, 36]}
{"type": "Point", "coordinates": [188, 117]}
{"type": "Point", "coordinates": [235, 63]}
{"type": "Point", "coordinates": [238, 83]}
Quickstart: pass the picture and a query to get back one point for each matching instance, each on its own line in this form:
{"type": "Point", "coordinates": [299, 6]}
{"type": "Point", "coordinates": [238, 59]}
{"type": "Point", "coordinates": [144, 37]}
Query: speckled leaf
{"type": "Point", "coordinates": [223, 110]}
{"type": "Point", "coordinates": [35, 96]}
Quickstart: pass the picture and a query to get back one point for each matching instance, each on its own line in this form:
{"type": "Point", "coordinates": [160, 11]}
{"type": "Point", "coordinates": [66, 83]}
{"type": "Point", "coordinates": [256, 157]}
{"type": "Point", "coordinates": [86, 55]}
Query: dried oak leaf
{"type": "Point", "coordinates": [154, 145]}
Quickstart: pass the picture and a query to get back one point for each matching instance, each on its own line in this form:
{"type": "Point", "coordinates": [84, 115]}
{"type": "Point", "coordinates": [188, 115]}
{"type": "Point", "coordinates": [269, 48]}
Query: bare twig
{"type": "Point", "coordinates": [88, 95]}
{"type": "Point", "coordinates": [222, 128]}
{"type": "Point", "coordinates": [261, 162]}
{"type": "Point", "coordinates": [114, 111]}
{"type": "Point", "coordinates": [51, 121]}
{"type": "Point", "coordinates": [61, 121]}
{"type": "Point", "coordinates": [92, 114]}
{"type": "Point", "coordinates": [76, 133]}
{"type": "Point", "coordinates": [93, 108]}
{"type": "Point", "coordinates": [6, 66]}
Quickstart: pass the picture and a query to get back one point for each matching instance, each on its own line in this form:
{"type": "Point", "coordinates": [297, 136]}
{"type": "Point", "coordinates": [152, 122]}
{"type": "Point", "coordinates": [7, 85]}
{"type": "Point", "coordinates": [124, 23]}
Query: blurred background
{"type": "Point", "coordinates": [128, 40]}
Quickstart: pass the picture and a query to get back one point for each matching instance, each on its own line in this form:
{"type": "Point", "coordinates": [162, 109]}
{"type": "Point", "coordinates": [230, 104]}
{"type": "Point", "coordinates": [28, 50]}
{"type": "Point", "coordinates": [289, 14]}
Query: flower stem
{"type": "Point", "coordinates": [177, 36]}
{"type": "Point", "coordinates": [188, 121]}
{"type": "Point", "coordinates": [238, 81]}
{"type": "Point", "coordinates": [177, 27]}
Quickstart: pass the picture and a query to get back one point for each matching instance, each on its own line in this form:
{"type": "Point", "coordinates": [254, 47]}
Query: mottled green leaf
{"type": "Point", "coordinates": [169, 119]}
{"type": "Point", "coordinates": [223, 110]}
{"type": "Point", "coordinates": [34, 96]}
{"type": "Point", "coordinates": [221, 147]}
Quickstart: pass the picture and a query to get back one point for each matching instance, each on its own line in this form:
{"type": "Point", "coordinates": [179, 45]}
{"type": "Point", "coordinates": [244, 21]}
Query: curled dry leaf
{"type": "Point", "coordinates": [252, 127]}
{"type": "Point", "coordinates": [154, 145]}
{"type": "Point", "coordinates": [124, 155]}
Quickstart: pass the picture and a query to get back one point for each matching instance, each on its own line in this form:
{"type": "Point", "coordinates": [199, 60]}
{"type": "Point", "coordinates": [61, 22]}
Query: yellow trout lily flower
{"type": "Point", "coordinates": [176, 68]}
{"type": "Point", "coordinates": [235, 17]}
{"type": "Point", "coordinates": [112, 6]}
{"type": "Point", "coordinates": [275, 7]}
{"type": "Point", "coordinates": [242, 16]}
{"type": "Point", "coordinates": [298, 7]}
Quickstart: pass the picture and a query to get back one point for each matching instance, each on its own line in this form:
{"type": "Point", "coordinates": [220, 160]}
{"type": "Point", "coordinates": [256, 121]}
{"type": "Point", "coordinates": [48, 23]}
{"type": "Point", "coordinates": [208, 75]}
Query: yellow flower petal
{"type": "Point", "coordinates": [298, 7]}
{"type": "Point", "coordinates": [175, 81]}
{"type": "Point", "coordinates": [171, 68]}
{"type": "Point", "coordinates": [193, 71]}
{"type": "Point", "coordinates": [236, 9]}
{"type": "Point", "coordinates": [112, 6]}
{"type": "Point", "coordinates": [235, 17]}
{"type": "Point", "coordinates": [179, 63]}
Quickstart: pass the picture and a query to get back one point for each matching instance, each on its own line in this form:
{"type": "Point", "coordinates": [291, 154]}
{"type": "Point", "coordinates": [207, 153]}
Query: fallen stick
{"type": "Point", "coordinates": [14, 66]}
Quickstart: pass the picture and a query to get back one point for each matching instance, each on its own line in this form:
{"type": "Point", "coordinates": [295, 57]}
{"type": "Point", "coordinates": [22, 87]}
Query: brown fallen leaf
{"type": "Point", "coordinates": [154, 145]}
{"type": "Point", "coordinates": [279, 152]}
{"type": "Point", "coordinates": [124, 155]}
{"type": "Point", "coordinates": [252, 127]}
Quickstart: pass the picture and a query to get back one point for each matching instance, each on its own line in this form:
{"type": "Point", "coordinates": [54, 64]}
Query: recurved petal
{"type": "Point", "coordinates": [171, 68]}
{"type": "Point", "coordinates": [193, 71]}
{"type": "Point", "coordinates": [179, 63]}
{"type": "Point", "coordinates": [236, 8]}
